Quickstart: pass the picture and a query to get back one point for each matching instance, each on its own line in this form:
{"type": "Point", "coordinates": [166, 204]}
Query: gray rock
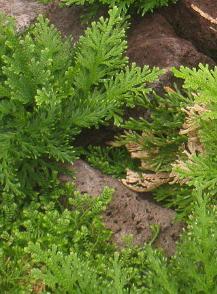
{"type": "Point", "coordinates": [24, 11]}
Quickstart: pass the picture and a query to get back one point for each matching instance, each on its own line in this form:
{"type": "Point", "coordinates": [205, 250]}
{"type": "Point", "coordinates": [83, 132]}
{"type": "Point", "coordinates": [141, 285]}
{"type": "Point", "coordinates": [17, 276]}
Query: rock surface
{"type": "Point", "coordinates": [196, 20]}
{"type": "Point", "coordinates": [129, 213]}
{"type": "Point", "coordinates": [24, 11]}
{"type": "Point", "coordinates": [153, 41]}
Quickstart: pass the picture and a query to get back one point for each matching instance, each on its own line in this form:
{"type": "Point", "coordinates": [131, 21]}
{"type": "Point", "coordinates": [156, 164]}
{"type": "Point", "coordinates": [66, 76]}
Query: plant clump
{"type": "Point", "coordinates": [52, 238]}
{"type": "Point", "coordinates": [142, 6]}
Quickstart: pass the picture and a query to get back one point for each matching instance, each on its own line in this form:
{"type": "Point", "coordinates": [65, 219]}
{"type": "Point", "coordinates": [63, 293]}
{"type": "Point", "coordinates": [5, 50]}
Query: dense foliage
{"type": "Point", "coordinates": [142, 6]}
{"type": "Point", "coordinates": [52, 238]}
{"type": "Point", "coordinates": [76, 256]}
{"type": "Point", "coordinates": [50, 91]}
{"type": "Point", "coordinates": [111, 161]}
{"type": "Point", "coordinates": [177, 145]}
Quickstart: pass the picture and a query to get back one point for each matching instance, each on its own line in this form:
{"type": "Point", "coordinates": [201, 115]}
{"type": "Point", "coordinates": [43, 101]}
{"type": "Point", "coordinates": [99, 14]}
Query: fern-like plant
{"type": "Point", "coordinates": [45, 221]}
{"type": "Point", "coordinates": [177, 144]}
{"type": "Point", "coordinates": [199, 164]}
{"type": "Point", "coordinates": [142, 6]}
{"type": "Point", "coordinates": [50, 90]}
{"type": "Point", "coordinates": [110, 161]}
{"type": "Point", "coordinates": [157, 138]}
{"type": "Point", "coordinates": [193, 269]}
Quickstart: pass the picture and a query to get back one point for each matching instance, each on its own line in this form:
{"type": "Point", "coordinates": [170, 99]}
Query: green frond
{"type": "Point", "coordinates": [142, 6]}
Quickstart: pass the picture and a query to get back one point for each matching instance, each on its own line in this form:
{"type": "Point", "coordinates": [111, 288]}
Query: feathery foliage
{"type": "Point", "coordinates": [111, 161]}
{"type": "Point", "coordinates": [193, 268]}
{"type": "Point", "coordinates": [75, 255]}
{"type": "Point", "coordinates": [142, 6]}
{"type": "Point", "coordinates": [200, 167]}
{"type": "Point", "coordinates": [159, 134]}
{"type": "Point", "coordinates": [50, 91]}
{"type": "Point", "coordinates": [177, 144]}
{"type": "Point", "coordinates": [52, 238]}
{"type": "Point", "coordinates": [75, 226]}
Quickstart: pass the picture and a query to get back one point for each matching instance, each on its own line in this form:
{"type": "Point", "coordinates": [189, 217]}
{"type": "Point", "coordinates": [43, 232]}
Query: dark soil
{"type": "Point", "coordinates": [68, 21]}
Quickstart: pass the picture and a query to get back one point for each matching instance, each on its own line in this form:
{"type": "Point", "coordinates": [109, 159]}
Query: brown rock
{"type": "Point", "coordinates": [24, 11]}
{"type": "Point", "coordinates": [129, 213]}
{"type": "Point", "coordinates": [196, 20]}
{"type": "Point", "coordinates": [152, 41]}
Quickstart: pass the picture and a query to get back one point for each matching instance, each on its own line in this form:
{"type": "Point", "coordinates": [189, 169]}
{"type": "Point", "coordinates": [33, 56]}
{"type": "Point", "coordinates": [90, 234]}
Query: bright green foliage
{"type": "Point", "coordinates": [175, 196]}
{"type": "Point", "coordinates": [194, 267]}
{"type": "Point", "coordinates": [180, 137]}
{"type": "Point", "coordinates": [50, 91]}
{"type": "Point", "coordinates": [74, 255]}
{"type": "Point", "coordinates": [111, 161]}
{"type": "Point", "coordinates": [45, 221]}
{"type": "Point", "coordinates": [13, 270]}
{"type": "Point", "coordinates": [79, 226]}
{"type": "Point", "coordinates": [117, 272]}
{"type": "Point", "coordinates": [158, 135]}
{"type": "Point", "coordinates": [52, 238]}
{"type": "Point", "coordinates": [70, 274]}
{"type": "Point", "coordinates": [32, 97]}
{"type": "Point", "coordinates": [160, 139]}
{"type": "Point", "coordinates": [142, 6]}
{"type": "Point", "coordinates": [66, 247]}
{"type": "Point", "coordinates": [200, 168]}
{"type": "Point", "coordinates": [197, 249]}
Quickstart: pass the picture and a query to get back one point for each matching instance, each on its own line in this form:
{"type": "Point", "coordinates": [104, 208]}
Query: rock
{"type": "Point", "coordinates": [24, 11]}
{"type": "Point", "coordinates": [196, 20]}
{"type": "Point", "coordinates": [129, 213]}
{"type": "Point", "coordinates": [152, 41]}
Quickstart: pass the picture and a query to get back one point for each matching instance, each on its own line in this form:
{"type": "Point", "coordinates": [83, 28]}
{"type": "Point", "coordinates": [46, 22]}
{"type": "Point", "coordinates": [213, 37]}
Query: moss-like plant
{"type": "Point", "coordinates": [110, 161]}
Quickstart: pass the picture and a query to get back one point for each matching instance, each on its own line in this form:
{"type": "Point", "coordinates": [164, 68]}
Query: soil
{"type": "Point", "coordinates": [174, 36]}
{"type": "Point", "coordinates": [68, 20]}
